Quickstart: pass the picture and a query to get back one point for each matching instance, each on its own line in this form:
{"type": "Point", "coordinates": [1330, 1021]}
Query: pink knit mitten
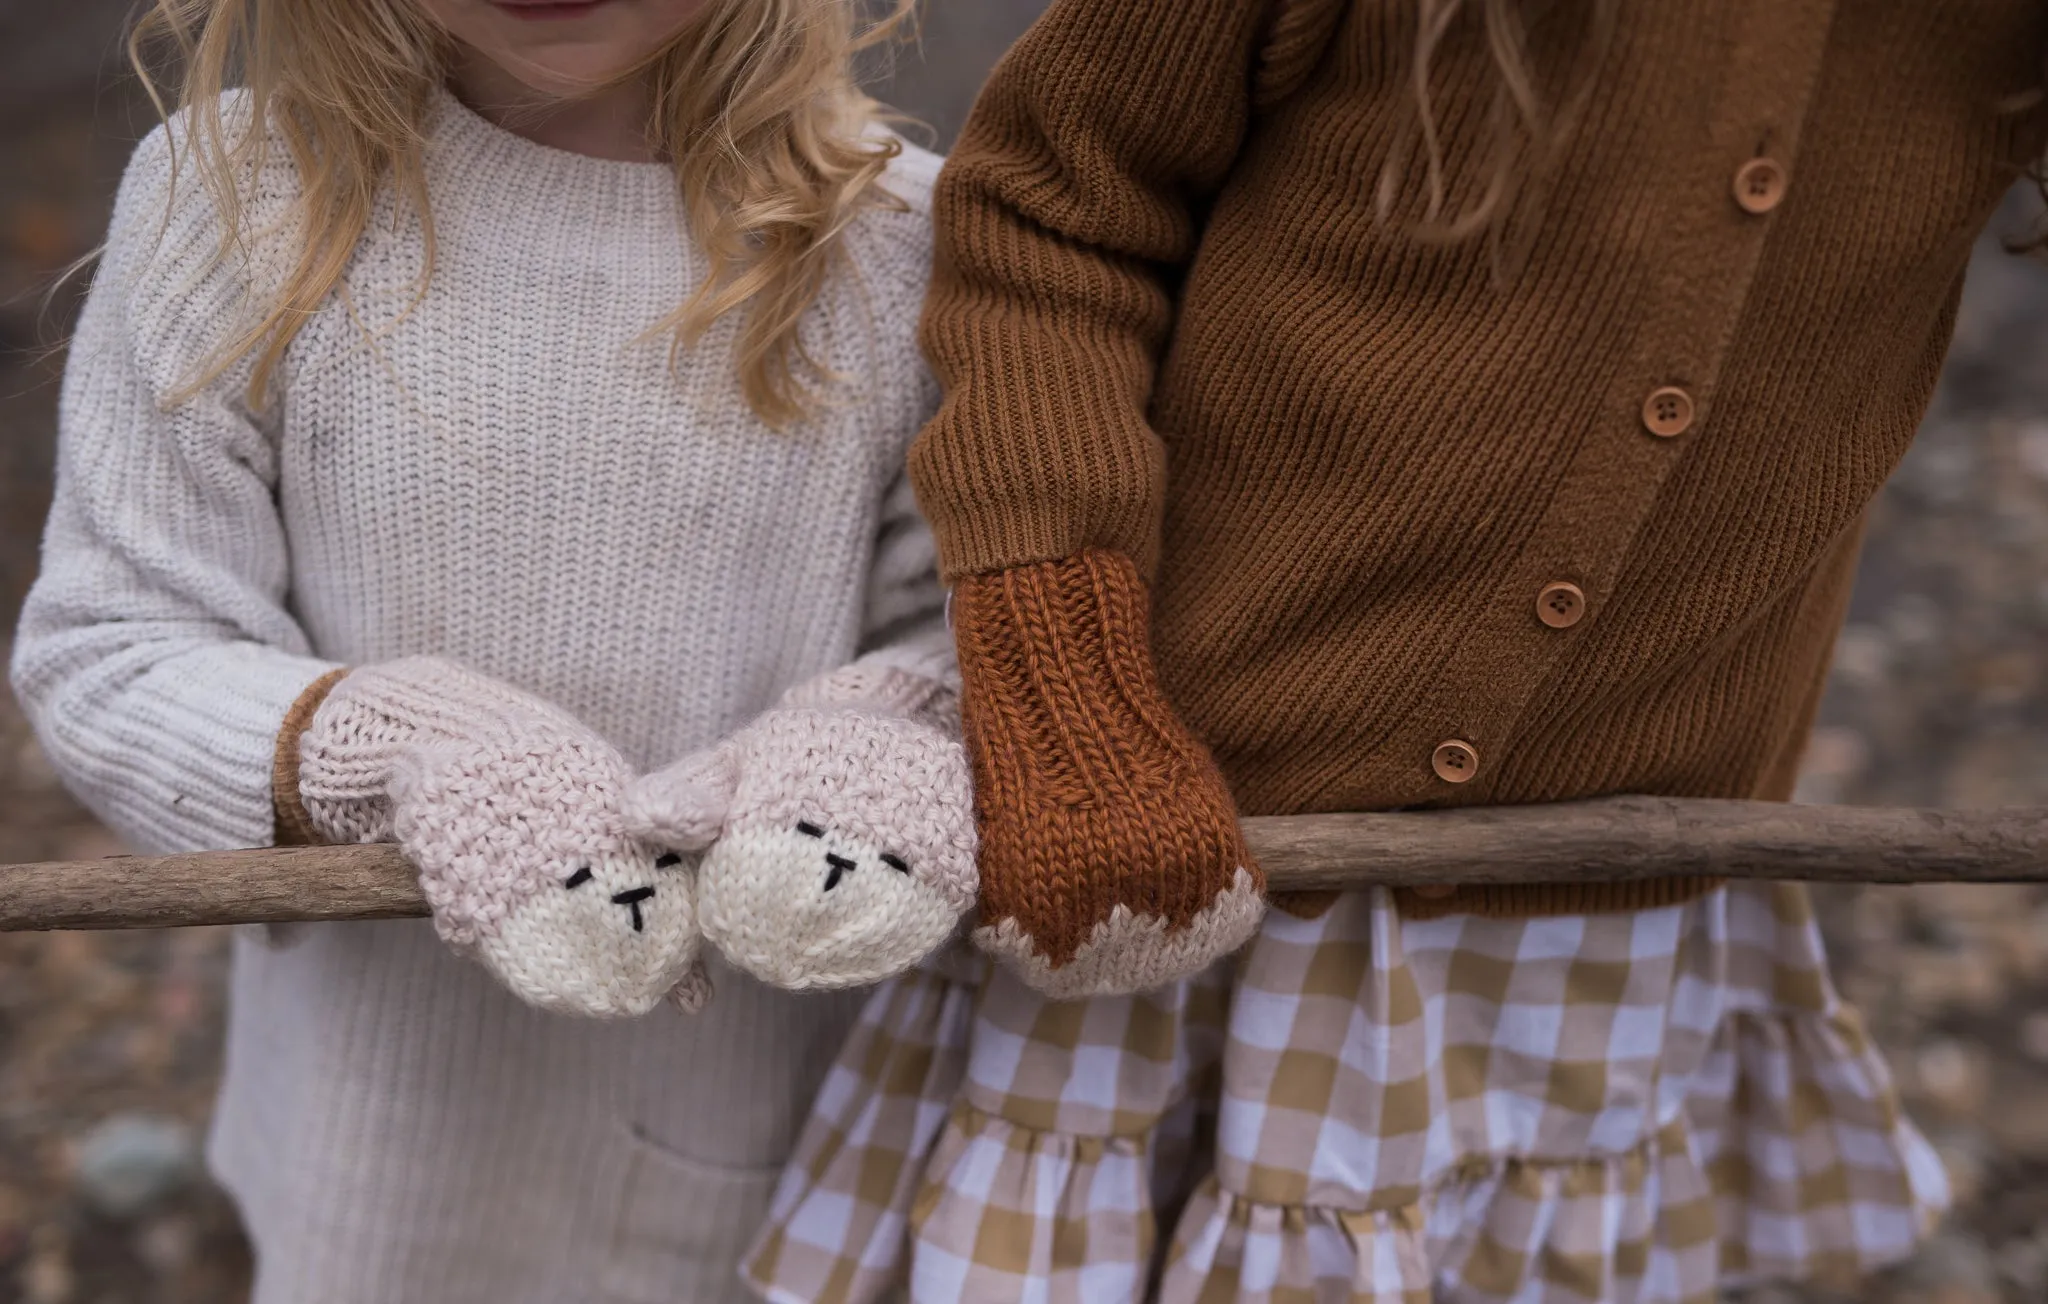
{"type": "Point", "coordinates": [512, 812]}
{"type": "Point", "coordinates": [840, 829]}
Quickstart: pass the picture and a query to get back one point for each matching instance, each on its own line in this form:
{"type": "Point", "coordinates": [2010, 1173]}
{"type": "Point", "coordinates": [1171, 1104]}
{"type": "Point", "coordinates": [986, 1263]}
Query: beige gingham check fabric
{"type": "Point", "coordinates": [1636, 1108]}
{"type": "Point", "coordinates": [1049, 1154]}
{"type": "Point", "coordinates": [1630, 1107]}
{"type": "Point", "coordinates": [836, 1224]}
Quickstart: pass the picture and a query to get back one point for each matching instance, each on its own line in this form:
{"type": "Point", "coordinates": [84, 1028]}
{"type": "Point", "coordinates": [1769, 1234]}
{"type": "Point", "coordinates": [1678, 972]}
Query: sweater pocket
{"type": "Point", "coordinates": [680, 1227]}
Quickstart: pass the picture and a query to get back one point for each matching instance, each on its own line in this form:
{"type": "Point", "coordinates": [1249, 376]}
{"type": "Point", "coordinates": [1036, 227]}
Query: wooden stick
{"type": "Point", "coordinates": [1613, 839]}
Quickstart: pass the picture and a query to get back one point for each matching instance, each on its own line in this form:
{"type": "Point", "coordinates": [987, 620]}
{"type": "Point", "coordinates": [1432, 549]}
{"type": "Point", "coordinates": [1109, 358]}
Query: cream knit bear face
{"type": "Point", "coordinates": [841, 839]}
{"type": "Point", "coordinates": [511, 811]}
{"type": "Point", "coordinates": [524, 858]}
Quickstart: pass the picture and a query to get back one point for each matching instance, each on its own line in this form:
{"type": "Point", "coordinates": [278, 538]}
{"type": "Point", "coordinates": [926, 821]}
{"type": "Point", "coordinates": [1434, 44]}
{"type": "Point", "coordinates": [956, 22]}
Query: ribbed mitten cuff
{"type": "Point", "coordinates": [1111, 854]}
{"type": "Point", "coordinates": [291, 826]}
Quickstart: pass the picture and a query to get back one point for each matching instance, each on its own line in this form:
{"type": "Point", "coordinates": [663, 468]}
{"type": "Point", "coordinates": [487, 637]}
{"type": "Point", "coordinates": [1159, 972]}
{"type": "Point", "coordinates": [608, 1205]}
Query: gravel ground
{"type": "Point", "coordinates": [109, 1044]}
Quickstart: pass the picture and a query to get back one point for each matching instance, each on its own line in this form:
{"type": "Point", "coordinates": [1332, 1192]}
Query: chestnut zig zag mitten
{"type": "Point", "coordinates": [1111, 857]}
{"type": "Point", "coordinates": [839, 829]}
{"type": "Point", "coordinates": [512, 812]}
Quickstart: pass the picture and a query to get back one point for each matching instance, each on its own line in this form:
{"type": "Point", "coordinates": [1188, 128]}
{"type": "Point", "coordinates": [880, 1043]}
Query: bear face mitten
{"type": "Point", "coordinates": [513, 814]}
{"type": "Point", "coordinates": [838, 830]}
{"type": "Point", "coordinates": [1111, 857]}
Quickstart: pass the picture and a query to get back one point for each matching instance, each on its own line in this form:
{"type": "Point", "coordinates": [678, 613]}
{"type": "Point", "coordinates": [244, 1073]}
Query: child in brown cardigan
{"type": "Point", "coordinates": [1421, 404]}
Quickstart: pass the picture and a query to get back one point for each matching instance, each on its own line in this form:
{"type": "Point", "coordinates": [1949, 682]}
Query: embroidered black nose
{"type": "Point", "coordinates": [631, 899]}
{"type": "Point", "coordinates": [840, 865]}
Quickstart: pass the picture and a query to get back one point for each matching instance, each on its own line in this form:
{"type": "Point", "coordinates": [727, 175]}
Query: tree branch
{"type": "Point", "coordinates": [1610, 840]}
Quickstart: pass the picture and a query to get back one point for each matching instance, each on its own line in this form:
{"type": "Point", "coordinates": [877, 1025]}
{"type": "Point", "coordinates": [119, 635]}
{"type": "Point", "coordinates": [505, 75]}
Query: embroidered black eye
{"type": "Point", "coordinates": [579, 878]}
{"type": "Point", "coordinates": [667, 860]}
{"type": "Point", "coordinates": [809, 829]}
{"type": "Point", "coordinates": [895, 863]}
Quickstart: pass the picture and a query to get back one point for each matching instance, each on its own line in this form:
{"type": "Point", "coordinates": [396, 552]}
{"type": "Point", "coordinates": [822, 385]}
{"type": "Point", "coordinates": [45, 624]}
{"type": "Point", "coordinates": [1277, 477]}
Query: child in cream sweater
{"type": "Point", "coordinates": [482, 404]}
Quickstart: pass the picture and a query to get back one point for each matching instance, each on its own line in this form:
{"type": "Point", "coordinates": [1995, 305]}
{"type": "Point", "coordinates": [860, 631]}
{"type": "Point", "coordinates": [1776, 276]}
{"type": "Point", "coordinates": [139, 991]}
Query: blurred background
{"type": "Point", "coordinates": [109, 1043]}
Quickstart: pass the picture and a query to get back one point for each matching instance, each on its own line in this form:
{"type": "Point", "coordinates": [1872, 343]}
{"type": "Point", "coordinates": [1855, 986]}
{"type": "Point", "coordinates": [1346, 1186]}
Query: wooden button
{"type": "Point", "coordinates": [1668, 412]}
{"type": "Point", "coordinates": [1456, 761]}
{"type": "Point", "coordinates": [1760, 185]}
{"type": "Point", "coordinates": [1561, 605]}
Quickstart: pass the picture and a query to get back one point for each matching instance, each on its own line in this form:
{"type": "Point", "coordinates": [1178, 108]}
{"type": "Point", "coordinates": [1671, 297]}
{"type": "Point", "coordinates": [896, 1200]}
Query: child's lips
{"type": "Point", "coordinates": [539, 10]}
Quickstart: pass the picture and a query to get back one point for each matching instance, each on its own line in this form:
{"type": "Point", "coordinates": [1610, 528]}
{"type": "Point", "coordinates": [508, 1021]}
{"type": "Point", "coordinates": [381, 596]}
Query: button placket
{"type": "Point", "coordinates": [1686, 334]}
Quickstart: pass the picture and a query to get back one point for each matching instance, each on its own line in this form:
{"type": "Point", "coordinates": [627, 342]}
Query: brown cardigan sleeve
{"type": "Point", "coordinates": [1066, 215]}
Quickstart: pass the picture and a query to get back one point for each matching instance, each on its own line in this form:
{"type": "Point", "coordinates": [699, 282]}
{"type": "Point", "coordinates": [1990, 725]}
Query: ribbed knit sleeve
{"type": "Point", "coordinates": [155, 655]}
{"type": "Point", "coordinates": [1065, 218]}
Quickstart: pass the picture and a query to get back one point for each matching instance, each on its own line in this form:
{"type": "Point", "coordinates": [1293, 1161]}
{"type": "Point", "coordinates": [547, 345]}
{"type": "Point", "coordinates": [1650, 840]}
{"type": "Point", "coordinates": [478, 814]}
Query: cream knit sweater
{"type": "Point", "coordinates": [508, 474]}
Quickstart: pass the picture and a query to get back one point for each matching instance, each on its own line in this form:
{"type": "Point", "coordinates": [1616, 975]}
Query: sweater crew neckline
{"type": "Point", "coordinates": [465, 139]}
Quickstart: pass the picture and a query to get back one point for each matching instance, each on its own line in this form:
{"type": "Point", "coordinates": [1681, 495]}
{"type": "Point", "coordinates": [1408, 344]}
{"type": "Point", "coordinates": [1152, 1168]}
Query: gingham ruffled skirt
{"type": "Point", "coordinates": [1634, 1108]}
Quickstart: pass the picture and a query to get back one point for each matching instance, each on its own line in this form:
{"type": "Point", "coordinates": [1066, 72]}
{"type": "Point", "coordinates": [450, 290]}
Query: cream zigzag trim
{"type": "Point", "coordinates": [1129, 952]}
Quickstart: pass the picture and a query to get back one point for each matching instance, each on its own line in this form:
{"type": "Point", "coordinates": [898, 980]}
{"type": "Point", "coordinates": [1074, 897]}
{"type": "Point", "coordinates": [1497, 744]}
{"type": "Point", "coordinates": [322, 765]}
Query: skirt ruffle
{"type": "Point", "coordinates": [1816, 1172]}
{"type": "Point", "coordinates": [1077, 1123]}
{"type": "Point", "coordinates": [837, 1224]}
{"type": "Point", "coordinates": [1626, 1229]}
{"type": "Point", "coordinates": [1032, 1215]}
{"type": "Point", "coordinates": [1787, 1157]}
{"type": "Point", "coordinates": [1633, 1109]}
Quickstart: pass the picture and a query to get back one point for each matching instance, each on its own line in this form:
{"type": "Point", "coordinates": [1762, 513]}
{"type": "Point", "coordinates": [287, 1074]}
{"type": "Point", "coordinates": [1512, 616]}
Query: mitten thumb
{"type": "Point", "coordinates": [684, 805]}
{"type": "Point", "coordinates": [873, 686]}
{"type": "Point", "coordinates": [419, 772]}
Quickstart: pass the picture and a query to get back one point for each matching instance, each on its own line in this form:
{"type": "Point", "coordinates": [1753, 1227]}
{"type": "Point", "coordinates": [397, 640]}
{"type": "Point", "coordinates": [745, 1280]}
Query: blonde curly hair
{"type": "Point", "coordinates": [1526, 130]}
{"type": "Point", "coordinates": [755, 102]}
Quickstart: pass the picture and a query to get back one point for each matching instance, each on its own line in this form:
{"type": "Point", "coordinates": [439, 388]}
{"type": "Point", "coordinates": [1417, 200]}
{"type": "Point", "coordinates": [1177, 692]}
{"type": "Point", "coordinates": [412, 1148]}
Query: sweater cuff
{"type": "Point", "coordinates": [987, 514]}
{"type": "Point", "coordinates": [293, 827]}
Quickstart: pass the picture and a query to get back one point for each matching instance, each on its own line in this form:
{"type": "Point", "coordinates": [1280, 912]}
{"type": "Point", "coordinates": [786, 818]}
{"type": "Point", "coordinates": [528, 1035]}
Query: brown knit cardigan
{"type": "Point", "coordinates": [1423, 529]}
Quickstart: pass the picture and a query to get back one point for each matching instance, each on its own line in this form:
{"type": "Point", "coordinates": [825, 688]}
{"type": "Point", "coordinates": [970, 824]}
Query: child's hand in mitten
{"type": "Point", "coordinates": [1112, 861]}
{"type": "Point", "coordinates": [512, 812]}
{"type": "Point", "coordinates": [840, 830]}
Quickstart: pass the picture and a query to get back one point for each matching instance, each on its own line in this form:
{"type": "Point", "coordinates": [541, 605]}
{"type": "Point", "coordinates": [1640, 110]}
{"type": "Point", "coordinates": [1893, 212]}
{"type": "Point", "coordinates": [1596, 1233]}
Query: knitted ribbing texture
{"type": "Point", "coordinates": [1111, 856]}
{"type": "Point", "coordinates": [294, 827]}
{"type": "Point", "coordinates": [1173, 321]}
{"type": "Point", "coordinates": [513, 473]}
